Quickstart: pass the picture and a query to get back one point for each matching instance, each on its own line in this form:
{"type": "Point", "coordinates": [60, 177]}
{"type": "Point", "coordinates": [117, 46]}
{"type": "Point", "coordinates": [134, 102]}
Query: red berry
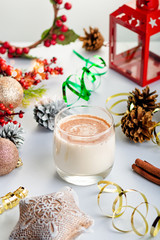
{"type": "Point", "coordinates": [63, 18]}
{"type": "Point", "coordinates": [9, 70]}
{"type": "Point", "coordinates": [59, 23]}
{"type": "Point", "coordinates": [10, 55]}
{"type": "Point", "coordinates": [59, 1]}
{"type": "Point", "coordinates": [26, 50]}
{"type": "Point", "coordinates": [4, 67]}
{"type": "Point", "coordinates": [20, 115]}
{"type": "Point", "coordinates": [67, 5]}
{"type": "Point", "coordinates": [2, 61]}
{"type": "Point", "coordinates": [2, 50]}
{"type": "Point", "coordinates": [64, 28]}
{"type": "Point", "coordinates": [12, 49]}
{"type": "Point", "coordinates": [6, 45]}
{"type": "Point", "coordinates": [61, 37]}
{"type": "Point", "coordinates": [54, 36]}
{"type": "Point", "coordinates": [19, 51]}
{"type": "Point", "coordinates": [47, 43]}
{"type": "Point", "coordinates": [47, 76]}
{"type": "Point", "coordinates": [10, 106]}
{"type": "Point", "coordinates": [53, 42]}
{"type": "Point", "coordinates": [15, 122]}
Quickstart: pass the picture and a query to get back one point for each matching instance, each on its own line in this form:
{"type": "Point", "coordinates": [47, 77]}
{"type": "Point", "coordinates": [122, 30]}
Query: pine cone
{"type": "Point", "coordinates": [145, 99]}
{"type": "Point", "coordinates": [44, 112]}
{"type": "Point", "coordinates": [138, 125]}
{"type": "Point", "coordinates": [13, 132]}
{"type": "Point", "coordinates": [93, 40]}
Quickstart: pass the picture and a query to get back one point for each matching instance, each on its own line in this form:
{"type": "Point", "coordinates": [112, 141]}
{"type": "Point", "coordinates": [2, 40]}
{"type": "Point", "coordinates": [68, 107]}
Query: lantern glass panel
{"type": "Point", "coordinates": [154, 57]}
{"type": "Point", "coordinates": [128, 52]}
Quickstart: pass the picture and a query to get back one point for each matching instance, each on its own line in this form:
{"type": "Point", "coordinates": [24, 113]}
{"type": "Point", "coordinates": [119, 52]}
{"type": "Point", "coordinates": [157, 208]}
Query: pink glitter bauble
{"type": "Point", "coordinates": [8, 156]}
{"type": "Point", "coordinates": [11, 92]}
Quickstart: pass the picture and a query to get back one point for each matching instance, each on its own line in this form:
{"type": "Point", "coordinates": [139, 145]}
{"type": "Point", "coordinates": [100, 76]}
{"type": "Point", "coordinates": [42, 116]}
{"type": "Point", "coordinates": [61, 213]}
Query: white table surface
{"type": "Point", "coordinates": [38, 172]}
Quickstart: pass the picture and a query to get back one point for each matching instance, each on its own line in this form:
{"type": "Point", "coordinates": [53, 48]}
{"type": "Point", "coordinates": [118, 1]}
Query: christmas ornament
{"type": "Point", "coordinates": [57, 33]}
{"type": "Point", "coordinates": [8, 156]}
{"type": "Point", "coordinates": [12, 199]}
{"type": "Point", "coordinates": [92, 40]}
{"type": "Point", "coordinates": [138, 125]}
{"type": "Point", "coordinates": [46, 110]}
{"type": "Point", "coordinates": [13, 132]}
{"type": "Point", "coordinates": [120, 205]}
{"type": "Point", "coordinates": [145, 99]}
{"type": "Point", "coordinates": [82, 86]}
{"type": "Point", "coordinates": [137, 21]}
{"type": "Point", "coordinates": [11, 92]}
{"type": "Point", "coordinates": [52, 216]}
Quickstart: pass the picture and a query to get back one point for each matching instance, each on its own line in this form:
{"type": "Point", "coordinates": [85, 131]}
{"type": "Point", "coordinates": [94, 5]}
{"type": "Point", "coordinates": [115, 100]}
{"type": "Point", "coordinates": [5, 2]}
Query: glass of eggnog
{"type": "Point", "coordinates": [84, 144]}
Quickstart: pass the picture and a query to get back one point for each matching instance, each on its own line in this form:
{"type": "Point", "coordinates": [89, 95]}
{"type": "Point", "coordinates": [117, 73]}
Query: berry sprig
{"type": "Point", "coordinates": [6, 114]}
{"type": "Point", "coordinates": [57, 33]}
{"type": "Point", "coordinates": [41, 71]}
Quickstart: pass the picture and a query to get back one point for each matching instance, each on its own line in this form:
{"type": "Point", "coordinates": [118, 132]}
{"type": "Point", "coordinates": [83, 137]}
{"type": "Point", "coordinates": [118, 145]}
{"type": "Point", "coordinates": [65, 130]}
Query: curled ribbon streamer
{"type": "Point", "coordinates": [11, 200]}
{"type": "Point", "coordinates": [157, 139]}
{"type": "Point", "coordinates": [116, 103]}
{"type": "Point", "coordinates": [117, 212]}
{"type": "Point", "coordinates": [80, 88]}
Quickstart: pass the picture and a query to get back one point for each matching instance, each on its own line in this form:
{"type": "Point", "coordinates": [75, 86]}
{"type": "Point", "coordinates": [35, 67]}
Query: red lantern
{"type": "Point", "coordinates": [135, 41]}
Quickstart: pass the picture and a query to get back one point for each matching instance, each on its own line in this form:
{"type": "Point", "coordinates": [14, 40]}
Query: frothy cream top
{"type": "Point", "coordinates": [83, 126]}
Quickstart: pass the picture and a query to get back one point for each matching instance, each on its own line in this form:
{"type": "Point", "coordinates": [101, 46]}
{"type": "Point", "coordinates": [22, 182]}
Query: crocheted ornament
{"type": "Point", "coordinates": [92, 40]}
{"type": "Point", "coordinates": [54, 216]}
{"type": "Point", "coordinates": [138, 125]}
{"type": "Point", "coordinates": [145, 99]}
{"type": "Point", "coordinates": [13, 132]}
{"type": "Point", "coordinates": [45, 112]}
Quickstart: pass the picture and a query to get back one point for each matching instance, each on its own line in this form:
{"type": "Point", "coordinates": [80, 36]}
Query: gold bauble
{"type": "Point", "coordinates": [8, 156]}
{"type": "Point", "coordinates": [11, 92]}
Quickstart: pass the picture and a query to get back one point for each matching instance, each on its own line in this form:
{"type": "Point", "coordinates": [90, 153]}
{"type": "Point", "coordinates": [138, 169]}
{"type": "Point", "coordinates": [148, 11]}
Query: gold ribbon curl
{"type": "Point", "coordinates": [12, 199]}
{"type": "Point", "coordinates": [117, 212]}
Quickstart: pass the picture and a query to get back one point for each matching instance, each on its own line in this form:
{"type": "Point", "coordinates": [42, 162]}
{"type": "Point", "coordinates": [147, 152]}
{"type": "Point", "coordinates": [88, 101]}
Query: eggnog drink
{"type": "Point", "coordinates": [84, 145]}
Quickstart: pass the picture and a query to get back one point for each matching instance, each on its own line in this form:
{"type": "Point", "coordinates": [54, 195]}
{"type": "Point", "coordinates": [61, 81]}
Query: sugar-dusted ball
{"type": "Point", "coordinates": [11, 92]}
{"type": "Point", "coordinates": [8, 156]}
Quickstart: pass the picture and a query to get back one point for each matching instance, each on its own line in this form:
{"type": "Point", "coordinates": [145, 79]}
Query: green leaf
{"type": "Point", "coordinates": [32, 93]}
{"type": "Point", "coordinates": [28, 56]}
{"type": "Point", "coordinates": [70, 36]}
{"type": "Point", "coordinates": [53, 2]}
{"type": "Point", "coordinates": [45, 34]}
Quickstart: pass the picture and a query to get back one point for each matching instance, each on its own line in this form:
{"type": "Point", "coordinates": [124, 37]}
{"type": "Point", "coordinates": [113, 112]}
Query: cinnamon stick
{"type": "Point", "coordinates": [148, 167]}
{"type": "Point", "coordinates": [147, 170]}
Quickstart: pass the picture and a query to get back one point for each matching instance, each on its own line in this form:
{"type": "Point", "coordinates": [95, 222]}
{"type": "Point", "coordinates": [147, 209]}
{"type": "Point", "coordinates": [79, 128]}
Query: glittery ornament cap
{"type": "Point", "coordinates": [54, 216]}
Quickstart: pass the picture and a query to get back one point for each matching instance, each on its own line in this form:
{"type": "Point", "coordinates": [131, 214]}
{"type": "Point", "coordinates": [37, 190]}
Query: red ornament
{"type": "Point", "coordinates": [134, 27]}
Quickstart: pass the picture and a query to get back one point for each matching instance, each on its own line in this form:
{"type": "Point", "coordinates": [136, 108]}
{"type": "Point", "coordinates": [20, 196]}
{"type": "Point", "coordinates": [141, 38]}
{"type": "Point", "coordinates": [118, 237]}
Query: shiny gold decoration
{"type": "Point", "coordinates": [19, 163]}
{"type": "Point", "coordinates": [117, 211]}
{"type": "Point", "coordinates": [8, 156]}
{"type": "Point", "coordinates": [11, 200]}
{"type": "Point", "coordinates": [92, 40]}
{"type": "Point", "coordinates": [11, 92]}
